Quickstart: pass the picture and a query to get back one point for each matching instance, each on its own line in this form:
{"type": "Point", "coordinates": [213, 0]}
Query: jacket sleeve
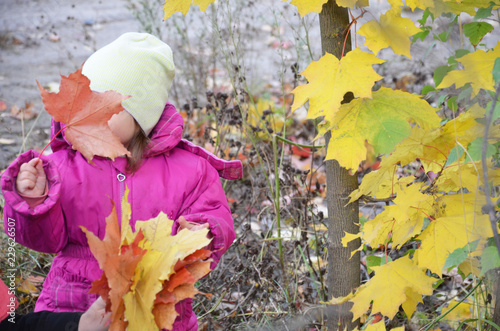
{"type": "Point", "coordinates": [42, 227]}
{"type": "Point", "coordinates": [43, 321]}
{"type": "Point", "coordinates": [207, 203]}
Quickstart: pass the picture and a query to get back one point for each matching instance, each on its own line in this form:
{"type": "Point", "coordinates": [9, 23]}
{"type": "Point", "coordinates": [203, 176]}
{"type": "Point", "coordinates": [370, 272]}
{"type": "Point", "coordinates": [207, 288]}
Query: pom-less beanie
{"type": "Point", "coordinates": [135, 64]}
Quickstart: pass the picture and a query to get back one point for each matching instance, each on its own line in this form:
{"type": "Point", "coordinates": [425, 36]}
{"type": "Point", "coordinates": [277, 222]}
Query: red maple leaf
{"type": "Point", "coordinates": [86, 114]}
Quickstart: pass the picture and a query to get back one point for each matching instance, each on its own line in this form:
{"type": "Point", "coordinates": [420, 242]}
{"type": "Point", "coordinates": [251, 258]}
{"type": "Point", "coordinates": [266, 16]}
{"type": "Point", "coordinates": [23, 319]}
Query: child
{"type": "Point", "coordinates": [49, 202]}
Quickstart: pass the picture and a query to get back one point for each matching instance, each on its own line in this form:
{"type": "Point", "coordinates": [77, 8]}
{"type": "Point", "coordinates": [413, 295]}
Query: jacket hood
{"type": "Point", "coordinates": [166, 135]}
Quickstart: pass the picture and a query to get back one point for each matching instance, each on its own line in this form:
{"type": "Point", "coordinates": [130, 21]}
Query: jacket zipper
{"type": "Point", "coordinates": [121, 179]}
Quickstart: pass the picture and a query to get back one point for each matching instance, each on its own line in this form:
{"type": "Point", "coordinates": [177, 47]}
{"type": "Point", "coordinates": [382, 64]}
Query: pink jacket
{"type": "Point", "coordinates": [176, 177]}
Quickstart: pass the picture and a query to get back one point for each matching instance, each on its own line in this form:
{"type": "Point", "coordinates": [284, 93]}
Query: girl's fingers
{"type": "Point", "coordinates": [25, 185]}
{"type": "Point", "coordinates": [26, 167]}
{"type": "Point", "coordinates": [26, 175]}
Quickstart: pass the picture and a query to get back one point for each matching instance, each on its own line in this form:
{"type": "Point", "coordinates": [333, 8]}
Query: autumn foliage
{"type": "Point", "coordinates": [146, 272]}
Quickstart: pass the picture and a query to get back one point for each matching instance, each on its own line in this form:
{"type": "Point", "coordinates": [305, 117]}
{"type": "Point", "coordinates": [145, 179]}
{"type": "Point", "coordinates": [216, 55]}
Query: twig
{"type": "Point", "coordinates": [490, 207]}
{"type": "Point", "coordinates": [368, 198]}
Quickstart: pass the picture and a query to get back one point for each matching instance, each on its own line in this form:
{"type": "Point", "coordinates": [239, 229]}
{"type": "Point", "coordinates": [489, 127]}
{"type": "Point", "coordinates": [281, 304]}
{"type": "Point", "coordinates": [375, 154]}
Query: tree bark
{"type": "Point", "coordinates": [343, 271]}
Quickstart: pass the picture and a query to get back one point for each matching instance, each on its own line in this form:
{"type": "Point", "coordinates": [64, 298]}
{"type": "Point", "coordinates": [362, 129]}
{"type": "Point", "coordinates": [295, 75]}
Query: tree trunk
{"type": "Point", "coordinates": [343, 271]}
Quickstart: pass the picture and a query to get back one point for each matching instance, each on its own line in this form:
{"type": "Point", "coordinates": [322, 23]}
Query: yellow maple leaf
{"type": "Point", "coordinates": [379, 326]}
{"type": "Point", "coordinates": [386, 295]}
{"type": "Point", "coordinates": [469, 175]}
{"type": "Point", "coordinates": [477, 71]}
{"type": "Point", "coordinates": [404, 219]}
{"type": "Point", "coordinates": [470, 265]}
{"type": "Point", "coordinates": [308, 6]}
{"type": "Point", "coordinates": [329, 79]}
{"type": "Point", "coordinates": [174, 6]}
{"type": "Point", "coordinates": [412, 300]}
{"type": "Point", "coordinates": [348, 237]}
{"type": "Point", "coordinates": [445, 234]}
{"type": "Point", "coordinates": [392, 31]}
{"type": "Point", "coordinates": [156, 266]}
{"type": "Point", "coordinates": [382, 121]}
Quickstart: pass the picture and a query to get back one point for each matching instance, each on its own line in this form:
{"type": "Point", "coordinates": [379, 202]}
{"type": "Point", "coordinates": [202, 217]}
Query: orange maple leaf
{"type": "Point", "coordinates": [86, 114]}
{"type": "Point", "coordinates": [118, 265]}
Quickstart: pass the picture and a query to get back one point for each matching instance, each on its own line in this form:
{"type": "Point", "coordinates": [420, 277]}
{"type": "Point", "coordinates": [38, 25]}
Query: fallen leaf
{"type": "Point", "coordinates": [3, 106]}
{"type": "Point", "coordinates": [86, 114]}
{"type": "Point", "coordinates": [4, 141]}
{"type": "Point", "coordinates": [25, 113]}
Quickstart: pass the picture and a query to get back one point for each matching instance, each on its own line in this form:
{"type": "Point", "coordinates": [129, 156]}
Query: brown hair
{"type": "Point", "coordinates": [136, 147]}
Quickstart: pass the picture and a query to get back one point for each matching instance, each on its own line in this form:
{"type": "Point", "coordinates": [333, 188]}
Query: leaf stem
{"type": "Point", "coordinates": [50, 142]}
{"type": "Point", "coordinates": [298, 145]}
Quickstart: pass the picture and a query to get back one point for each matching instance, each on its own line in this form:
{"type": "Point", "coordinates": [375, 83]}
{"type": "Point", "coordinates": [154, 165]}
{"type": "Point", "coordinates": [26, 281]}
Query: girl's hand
{"type": "Point", "coordinates": [31, 180]}
{"type": "Point", "coordinates": [183, 224]}
{"type": "Point", "coordinates": [95, 318]}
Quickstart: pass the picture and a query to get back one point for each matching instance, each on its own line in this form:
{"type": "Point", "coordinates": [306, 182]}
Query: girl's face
{"type": "Point", "coordinates": [123, 126]}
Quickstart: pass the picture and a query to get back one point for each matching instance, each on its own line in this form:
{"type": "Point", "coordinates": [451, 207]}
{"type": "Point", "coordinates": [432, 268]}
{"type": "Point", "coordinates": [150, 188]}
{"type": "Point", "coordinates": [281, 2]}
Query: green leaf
{"type": "Point", "coordinates": [428, 88]}
{"type": "Point", "coordinates": [496, 71]}
{"type": "Point", "coordinates": [475, 31]}
{"type": "Point", "coordinates": [460, 254]}
{"type": "Point", "coordinates": [376, 261]}
{"type": "Point", "coordinates": [421, 35]}
{"type": "Point", "coordinates": [443, 36]}
{"type": "Point", "coordinates": [425, 15]}
{"type": "Point", "coordinates": [489, 259]}
{"type": "Point", "coordinates": [484, 12]}
{"type": "Point", "coordinates": [458, 54]}
{"type": "Point", "coordinates": [496, 112]}
{"type": "Point", "coordinates": [452, 157]}
{"type": "Point", "coordinates": [475, 150]}
{"type": "Point", "coordinates": [452, 103]}
{"type": "Point", "coordinates": [440, 72]}
{"type": "Point", "coordinates": [465, 94]}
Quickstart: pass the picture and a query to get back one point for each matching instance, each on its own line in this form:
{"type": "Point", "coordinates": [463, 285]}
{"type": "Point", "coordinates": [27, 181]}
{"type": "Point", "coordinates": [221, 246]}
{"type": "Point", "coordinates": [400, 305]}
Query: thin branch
{"type": "Point", "coordinates": [368, 198]}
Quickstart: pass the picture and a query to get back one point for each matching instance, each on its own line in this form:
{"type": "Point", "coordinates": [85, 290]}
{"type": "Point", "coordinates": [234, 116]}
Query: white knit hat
{"type": "Point", "coordinates": [135, 64]}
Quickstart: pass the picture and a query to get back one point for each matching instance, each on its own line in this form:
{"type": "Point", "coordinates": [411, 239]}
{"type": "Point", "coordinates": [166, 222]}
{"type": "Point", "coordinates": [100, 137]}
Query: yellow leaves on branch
{"type": "Point", "coordinates": [174, 6]}
{"type": "Point", "coordinates": [382, 122]}
{"type": "Point", "coordinates": [392, 31]}
{"type": "Point", "coordinates": [329, 79]}
{"type": "Point", "coordinates": [407, 285]}
{"type": "Point", "coordinates": [478, 68]}
{"type": "Point", "coordinates": [449, 232]}
{"type": "Point", "coordinates": [146, 272]}
{"type": "Point", "coordinates": [404, 219]}
{"type": "Point", "coordinates": [438, 7]}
